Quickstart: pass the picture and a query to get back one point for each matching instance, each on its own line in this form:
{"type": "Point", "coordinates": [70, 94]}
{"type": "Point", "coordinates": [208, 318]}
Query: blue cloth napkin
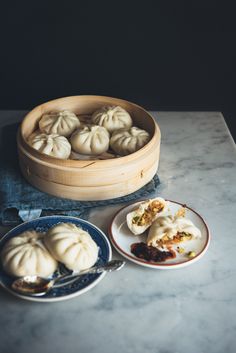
{"type": "Point", "coordinates": [19, 201]}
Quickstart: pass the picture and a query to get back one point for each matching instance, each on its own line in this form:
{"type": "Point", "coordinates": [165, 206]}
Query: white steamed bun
{"type": "Point", "coordinates": [62, 123]}
{"type": "Point", "coordinates": [124, 141]}
{"type": "Point", "coordinates": [72, 246]}
{"type": "Point", "coordinates": [26, 255]}
{"type": "Point", "coordinates": [112, 118]}
{"type": "Point", "coordinates": [52, 145]}
{"type": "Point", "coordinates": [91, 140]}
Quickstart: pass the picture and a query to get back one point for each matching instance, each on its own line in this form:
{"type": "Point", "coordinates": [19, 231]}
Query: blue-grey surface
{"type": "Point", "coordinates": [137, 309]}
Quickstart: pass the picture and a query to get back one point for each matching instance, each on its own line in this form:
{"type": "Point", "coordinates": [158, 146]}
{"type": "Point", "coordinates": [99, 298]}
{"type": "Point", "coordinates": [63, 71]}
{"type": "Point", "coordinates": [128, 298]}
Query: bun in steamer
{"type": "Point", "coordinates": [52, 145]}
{"type": "Point", "coordinates": [124, 142]}
{"type": "Point", "coordinates": [62, 123]}
{"type": "Point", "coordinates": [90, 140]}
{"type": "Point", "coordinates": [112, 118]}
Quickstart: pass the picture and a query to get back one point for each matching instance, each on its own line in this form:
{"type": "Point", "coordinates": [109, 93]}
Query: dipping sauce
{"type": "Point", "coordinates": [150, 253]}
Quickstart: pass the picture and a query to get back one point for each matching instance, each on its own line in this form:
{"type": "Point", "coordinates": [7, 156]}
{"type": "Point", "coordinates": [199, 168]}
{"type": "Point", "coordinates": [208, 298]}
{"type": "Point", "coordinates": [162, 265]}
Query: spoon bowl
{"type": "Point", "coordinates": [32, 285]}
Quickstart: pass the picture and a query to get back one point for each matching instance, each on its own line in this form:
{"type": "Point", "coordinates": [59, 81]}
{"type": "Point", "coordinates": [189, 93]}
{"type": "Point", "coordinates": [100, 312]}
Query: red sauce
{"type": "Point", "coordinates": [149, 253]}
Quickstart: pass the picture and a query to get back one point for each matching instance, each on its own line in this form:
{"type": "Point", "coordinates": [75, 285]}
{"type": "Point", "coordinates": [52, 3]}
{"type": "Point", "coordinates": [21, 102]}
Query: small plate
{"type": "Point", "coordinates": [122, 238]}
{"type": "Point", "coordinates": [78, 287]}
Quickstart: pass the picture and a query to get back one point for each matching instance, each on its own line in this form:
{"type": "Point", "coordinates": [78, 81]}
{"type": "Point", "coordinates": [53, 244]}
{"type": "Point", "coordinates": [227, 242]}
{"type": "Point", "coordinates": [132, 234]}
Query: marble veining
{"type": "Point", "coordinates": [145, 310]}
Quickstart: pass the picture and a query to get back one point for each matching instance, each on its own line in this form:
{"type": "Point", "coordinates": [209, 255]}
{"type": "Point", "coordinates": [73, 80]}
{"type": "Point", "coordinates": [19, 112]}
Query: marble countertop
{"type": "Point", "coordinates": [141, 310]}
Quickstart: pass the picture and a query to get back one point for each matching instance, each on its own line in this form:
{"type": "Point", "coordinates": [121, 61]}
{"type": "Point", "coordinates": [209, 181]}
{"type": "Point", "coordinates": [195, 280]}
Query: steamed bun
{"type": "Point", "coordinates": [62, 123]}
{"type": "Point", "coordinates": [112, 118]}
{"type": "Point", "coordinates": [52, 145]}
{"type": "Point", "coordinates": [26, 255]}
{"type": "Point", "coordinates": [124, 141]}
{"type": "Point", "coordinates": [72, 246]}
{"type": "Point", "coordinates": [91, 140]}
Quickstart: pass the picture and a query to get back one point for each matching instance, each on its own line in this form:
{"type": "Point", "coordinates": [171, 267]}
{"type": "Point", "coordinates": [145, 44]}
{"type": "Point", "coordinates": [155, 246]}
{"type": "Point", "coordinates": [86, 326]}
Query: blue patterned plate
{"type": "Point", "coordinates": [78, 287]}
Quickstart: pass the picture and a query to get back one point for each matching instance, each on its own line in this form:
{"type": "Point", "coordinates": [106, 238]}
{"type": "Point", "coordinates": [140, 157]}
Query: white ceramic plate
{"type": "Point", "coordinates": [122, 238]}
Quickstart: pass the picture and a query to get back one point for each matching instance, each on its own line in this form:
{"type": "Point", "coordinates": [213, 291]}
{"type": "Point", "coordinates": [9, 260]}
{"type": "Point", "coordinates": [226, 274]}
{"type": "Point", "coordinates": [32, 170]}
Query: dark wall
{"type": "Point", "coordinates": [164, 55]}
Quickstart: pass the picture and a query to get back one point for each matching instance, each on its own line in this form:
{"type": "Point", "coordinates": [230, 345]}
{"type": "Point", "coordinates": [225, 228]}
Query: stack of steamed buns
{"type": "Point", "coordinates": [35, 253]}
{"type": "Point", "coordinates": [108, 133]}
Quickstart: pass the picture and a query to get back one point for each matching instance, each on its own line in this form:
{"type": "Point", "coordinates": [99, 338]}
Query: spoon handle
{"type": "Point", "coordinates": [113, 265]}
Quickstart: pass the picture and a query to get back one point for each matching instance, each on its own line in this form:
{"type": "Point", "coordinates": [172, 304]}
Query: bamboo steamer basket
{"type": "Point", "coordinates": [88, 179]}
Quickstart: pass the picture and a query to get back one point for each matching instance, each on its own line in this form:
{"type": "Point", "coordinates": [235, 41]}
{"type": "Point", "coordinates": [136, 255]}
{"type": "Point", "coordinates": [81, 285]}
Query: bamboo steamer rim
{"type": "Point", "coordinates": [84, 163]}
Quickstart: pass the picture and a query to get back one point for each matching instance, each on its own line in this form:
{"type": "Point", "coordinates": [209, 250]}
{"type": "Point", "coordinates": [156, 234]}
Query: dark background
{"type": "Point", "coordinates": [164, 55]}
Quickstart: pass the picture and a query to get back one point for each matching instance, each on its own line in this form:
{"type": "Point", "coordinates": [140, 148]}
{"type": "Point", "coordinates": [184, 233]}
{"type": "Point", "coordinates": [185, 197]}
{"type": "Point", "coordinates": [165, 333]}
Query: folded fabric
{"type": "Point", "coordinates": [21, 201]}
